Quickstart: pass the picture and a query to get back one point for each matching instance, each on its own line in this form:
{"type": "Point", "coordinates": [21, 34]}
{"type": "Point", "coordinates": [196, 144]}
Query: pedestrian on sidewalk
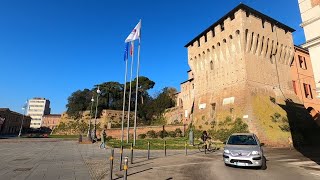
{"type": "Point", "coordinates": [103, 140]}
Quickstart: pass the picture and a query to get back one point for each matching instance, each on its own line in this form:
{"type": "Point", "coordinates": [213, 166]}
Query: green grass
{"type": "Point", "coordinates": [64, 136]}
{"type": "Point", "coordinates": [157, 143]}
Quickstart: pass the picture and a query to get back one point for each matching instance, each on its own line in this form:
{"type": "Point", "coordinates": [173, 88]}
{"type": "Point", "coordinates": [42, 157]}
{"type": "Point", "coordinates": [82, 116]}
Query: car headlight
{"type": "Point", "coordinates": [226, 151]}
{"type": "Point", "coordinates": [255, 152]}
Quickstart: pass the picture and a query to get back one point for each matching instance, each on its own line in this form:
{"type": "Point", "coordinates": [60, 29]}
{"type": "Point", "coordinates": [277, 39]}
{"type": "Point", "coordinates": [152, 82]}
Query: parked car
{"type": "Point", "coordinates": [243, 149]}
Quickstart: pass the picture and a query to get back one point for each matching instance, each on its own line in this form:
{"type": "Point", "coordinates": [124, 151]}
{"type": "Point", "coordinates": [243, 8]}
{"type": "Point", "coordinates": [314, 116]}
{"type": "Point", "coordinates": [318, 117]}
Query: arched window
{"type": "Point", "coordinates": [211, 65]}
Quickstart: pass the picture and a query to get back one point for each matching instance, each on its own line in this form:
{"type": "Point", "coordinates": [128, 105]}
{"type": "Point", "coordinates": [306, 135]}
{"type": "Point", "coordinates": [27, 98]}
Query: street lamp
{"type": "Point", "coordinates": [95, 117]}
{"type": "Point", "coordinates": [89, 130]}
{"type": "Point", "coordinates": [24, 112]}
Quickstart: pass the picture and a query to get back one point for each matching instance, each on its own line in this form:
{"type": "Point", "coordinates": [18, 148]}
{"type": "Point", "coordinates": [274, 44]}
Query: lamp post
{"type": "Point", "coordinates": [95, 116]}
{"type": "Point", "coordinates": [24, 112]}
{"type": "Point", "coordinates": [89, 129]}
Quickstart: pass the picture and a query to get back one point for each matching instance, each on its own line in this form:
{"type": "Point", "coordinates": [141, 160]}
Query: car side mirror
{"type": "Point", "coordinates": [261, 144]}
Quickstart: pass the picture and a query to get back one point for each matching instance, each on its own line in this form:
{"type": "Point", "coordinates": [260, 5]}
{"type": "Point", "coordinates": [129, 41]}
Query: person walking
{"type": "Point", "coordinates": [103, 140]}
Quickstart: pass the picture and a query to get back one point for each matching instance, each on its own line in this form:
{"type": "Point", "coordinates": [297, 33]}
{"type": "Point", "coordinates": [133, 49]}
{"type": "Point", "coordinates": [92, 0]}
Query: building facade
{"type": "Point", "coordinates": [240, 68]}
{"type": "Point", "coordinates": [51, 121]}
{"type": "Point", "coordinates": [310, 15]}
{"type": "Point", "coordinates": [10, 122]}
{"type": "Point", "coordinates": [37, 107]}
{"type": "Point", "coordinates": [303, 80]}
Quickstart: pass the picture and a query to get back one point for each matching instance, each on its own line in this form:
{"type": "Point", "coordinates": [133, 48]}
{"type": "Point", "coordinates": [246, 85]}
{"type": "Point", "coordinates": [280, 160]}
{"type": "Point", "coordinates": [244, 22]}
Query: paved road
{"type": "Point", "coordinates": [58, 159]}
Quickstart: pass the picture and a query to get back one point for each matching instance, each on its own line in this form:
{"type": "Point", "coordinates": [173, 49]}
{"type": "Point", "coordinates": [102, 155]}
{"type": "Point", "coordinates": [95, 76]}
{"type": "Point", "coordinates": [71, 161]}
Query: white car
{"type": "Point", "coordinates": [243, 149]}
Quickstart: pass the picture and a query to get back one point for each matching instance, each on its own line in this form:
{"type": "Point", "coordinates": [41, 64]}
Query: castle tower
{"type": "Point", "coordinates": [241, 65]}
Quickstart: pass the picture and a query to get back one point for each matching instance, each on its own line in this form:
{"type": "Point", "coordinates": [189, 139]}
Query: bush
{"type": "Point", "coordinates": [284, 127]}
{"type": "Point", "coordinates": [285, 120]}
{"type": "Point", "coordinates": [109, 138]}
{"type": "Point", "coordinates": [151, 134]}
{"type": "Point", "coordinates": [238, 126]}
{"type": "Point", "coordinates": [142, 136]}
{"type": "Point", "coordinates": [172, 134]}
{"type": "Point", "coordinates": [178, 132]}
{"type": "Point", "coordinates": [162, 134]}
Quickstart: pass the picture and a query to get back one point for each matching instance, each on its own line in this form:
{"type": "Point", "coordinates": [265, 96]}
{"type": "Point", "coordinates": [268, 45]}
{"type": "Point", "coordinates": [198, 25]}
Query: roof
{"type": "Point", "coordinates": [189, 80]}
{"type": "Point", "coordinates": [4, 109]}
{"type": "Point", "coordinates": [246, 8]}
{"type": "Point", "coordinates": [301, 49]}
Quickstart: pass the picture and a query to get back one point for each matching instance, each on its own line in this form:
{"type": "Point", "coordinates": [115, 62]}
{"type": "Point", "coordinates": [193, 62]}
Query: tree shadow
{"type": "Point", "coordinates": [304, 130]}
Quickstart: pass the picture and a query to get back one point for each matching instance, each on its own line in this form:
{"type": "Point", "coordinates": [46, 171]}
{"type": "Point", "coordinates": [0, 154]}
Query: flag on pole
{"type": "Point", "coordinates": [126, 51]}
{"type": "Point", "coordinates": [135, 34]}
{"type": "Point", "coordinates": [131, 48]}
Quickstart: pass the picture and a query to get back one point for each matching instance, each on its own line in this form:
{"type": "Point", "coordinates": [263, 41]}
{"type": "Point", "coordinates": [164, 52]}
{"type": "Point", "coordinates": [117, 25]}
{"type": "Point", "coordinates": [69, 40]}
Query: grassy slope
{"type": "Point", "coordinates": [263, 109]}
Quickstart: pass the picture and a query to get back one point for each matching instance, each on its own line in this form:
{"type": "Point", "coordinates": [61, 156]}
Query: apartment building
{"type": "Point", "coordinates": [37, 107]}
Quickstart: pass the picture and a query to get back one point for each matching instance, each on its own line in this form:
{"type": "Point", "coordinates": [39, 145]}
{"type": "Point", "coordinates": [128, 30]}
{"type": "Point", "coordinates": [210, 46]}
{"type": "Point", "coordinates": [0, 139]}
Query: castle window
{"type": "Point", "coordinates": [237, 32]}
{"type": "Point", "coordinates": [307, 91]}
{"type": "Point", "coordinates": [263, 21]}
{"type": "Point", "coordinates": [218, 44]}
{"type": "Point", "coordinates": [230, 36]}
{"type": "Point", "coordinates": [205, 38]}
{"type": "Point", "coordinates": [224, 40]}
{"type": "Point", "coordinates": [294, 86]}
{"type": "Point", "coordinates": [211, 65]}
{"type": "Point", "coordinates": [232, 17]}
{"type": "Point", "coordinates": [213, 33]}
{"type": "Point", "coordinates": [222, 26]}
{"type": "Point", "coordinates": [302, 62]}
{"type": "Point", "coordinates": [247, 13]}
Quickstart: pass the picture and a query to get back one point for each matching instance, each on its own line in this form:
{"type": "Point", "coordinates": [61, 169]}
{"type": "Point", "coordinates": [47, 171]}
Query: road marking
{"type": "Point", "coordinates": [315, 174]}
{"type": "Point", "coordinates": [276, 156]}
{"type": "Point", "coordinates": [301, 163]}
{"type": "Point", "coordinates": [177, 165]}
{"type": "Point", "coordinates": [287, 160]}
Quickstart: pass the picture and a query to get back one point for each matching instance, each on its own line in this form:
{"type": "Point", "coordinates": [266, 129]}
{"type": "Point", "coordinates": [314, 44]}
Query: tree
{"type": "Point", "coordinates": [111, 95]}
{"type": "Point", "coordinates": [153, 109]}
{"type": "Point", "coordinates": [78, 102]}
{"type": "Point", "coordinates": [144, 85]}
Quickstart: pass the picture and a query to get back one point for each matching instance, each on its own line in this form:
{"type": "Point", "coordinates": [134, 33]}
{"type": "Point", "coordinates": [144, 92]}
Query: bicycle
{"type": "Point", "coordinates": [212, 147]}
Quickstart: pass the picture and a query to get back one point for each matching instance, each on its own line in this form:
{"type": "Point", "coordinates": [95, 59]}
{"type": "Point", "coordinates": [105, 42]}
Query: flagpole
{"type": "Point", "coordinates": [129, 104]}
{"type": "Point", "coordinates": [124, 97]}
{"type": "Point", "coordinates": [136, 103]}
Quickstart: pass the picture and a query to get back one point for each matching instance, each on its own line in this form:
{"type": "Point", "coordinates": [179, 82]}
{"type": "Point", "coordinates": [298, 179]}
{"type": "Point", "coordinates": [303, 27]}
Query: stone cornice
{"type": "Point", "coordinates": [309, 21]}
{"type": "Point", "coordinates": [312, 42]}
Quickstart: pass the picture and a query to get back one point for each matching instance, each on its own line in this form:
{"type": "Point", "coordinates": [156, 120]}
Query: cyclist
{"type": "Point", "coordinates": [206, 138]}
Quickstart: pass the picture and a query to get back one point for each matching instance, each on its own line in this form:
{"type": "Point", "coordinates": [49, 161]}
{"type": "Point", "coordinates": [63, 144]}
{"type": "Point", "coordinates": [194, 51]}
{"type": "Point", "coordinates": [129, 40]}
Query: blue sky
{"type": "Point", "coordinates": [51, 48]}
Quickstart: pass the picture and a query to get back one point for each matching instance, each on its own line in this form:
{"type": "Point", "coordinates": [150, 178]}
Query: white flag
{"type": "Point", "coordinates": [135, 34]}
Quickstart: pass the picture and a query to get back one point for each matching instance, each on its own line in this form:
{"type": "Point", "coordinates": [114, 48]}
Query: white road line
{"type": "Point", "coordinates": [317, 174]}
{"type": "Point", "coordinates": [301, 163]}
{"type": "Point", "coordinates": [276, 156]}
{"type": "Point", "coordinates": [287, 160]}
{"type": "Point", "coordinates": [177, 165]}
{"type": "Point", "coordinates": [316, 166]}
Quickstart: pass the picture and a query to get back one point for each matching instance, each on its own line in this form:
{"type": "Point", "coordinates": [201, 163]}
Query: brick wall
{"type": "Point", "coordinates": [116, 132]}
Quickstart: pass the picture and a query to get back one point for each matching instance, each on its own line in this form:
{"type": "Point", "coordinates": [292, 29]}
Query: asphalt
{"type": "Point", "coordinates": [57, 159]}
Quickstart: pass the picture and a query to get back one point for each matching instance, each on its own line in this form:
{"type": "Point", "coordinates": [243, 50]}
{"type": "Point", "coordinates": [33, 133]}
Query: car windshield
{"type": "Point", "coordinates": [242, 140]}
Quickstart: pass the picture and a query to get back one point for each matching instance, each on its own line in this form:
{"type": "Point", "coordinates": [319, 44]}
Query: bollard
{"type": "Point", "coordinates": [205, 148]}
{"type": "Point", "coordinates": [80, 138]}
{"type": "Point", "coordinates": [165, 148]}
{"type": "Point", "coordinates": [131, 158]}
{"type": "Point", "coordinates": [185, 147]}
{"type": "Point", "coordinates": [148, 150]}
{"type": "Point", "coordinates": [125, 168]}
{"type": "Point", "coordinates": [111, 163]}
{"type": "Point", "coordinates": [121, 153]}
